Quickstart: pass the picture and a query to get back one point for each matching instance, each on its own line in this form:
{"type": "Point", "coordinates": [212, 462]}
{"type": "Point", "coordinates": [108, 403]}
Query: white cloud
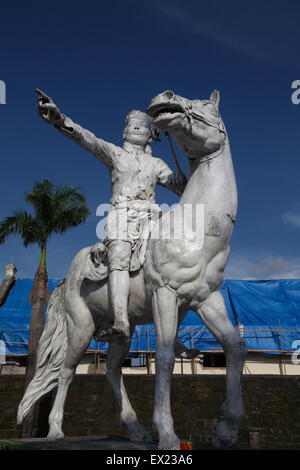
{"type": "Point", "coordinates": [268, 267]}
{"type": "Point", "coordinates": [291, 218]}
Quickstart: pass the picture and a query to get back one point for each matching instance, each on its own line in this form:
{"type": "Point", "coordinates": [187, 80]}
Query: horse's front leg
{"type": "Point", "coordinates": [165, 313]}
{"type": "Point", "coordinates": [214, 315]}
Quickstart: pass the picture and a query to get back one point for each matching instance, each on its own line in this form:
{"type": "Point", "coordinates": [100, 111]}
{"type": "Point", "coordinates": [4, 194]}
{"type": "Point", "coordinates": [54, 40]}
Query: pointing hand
{"type": "Point", "coordinates": [48, 110]}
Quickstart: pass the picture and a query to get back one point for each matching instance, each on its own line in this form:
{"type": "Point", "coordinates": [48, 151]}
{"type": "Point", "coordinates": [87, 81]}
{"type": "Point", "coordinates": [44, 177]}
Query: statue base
{"type": "Point", "coordinates": [80, 443]}
{"type": "Point", "coordinates": [107, 443]}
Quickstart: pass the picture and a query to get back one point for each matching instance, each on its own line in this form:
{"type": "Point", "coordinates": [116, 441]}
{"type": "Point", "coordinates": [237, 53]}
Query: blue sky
{"type": "Point", "coordinates": [99, 60]}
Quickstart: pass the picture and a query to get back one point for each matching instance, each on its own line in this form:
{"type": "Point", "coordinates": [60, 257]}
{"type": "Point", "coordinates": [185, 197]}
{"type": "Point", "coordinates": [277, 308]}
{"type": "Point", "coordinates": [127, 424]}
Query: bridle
{"type": "Point", "coordinates": [190, 114]}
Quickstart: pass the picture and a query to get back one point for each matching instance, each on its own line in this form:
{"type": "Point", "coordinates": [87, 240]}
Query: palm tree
{"type": "Point", "coordinates": [56, 210]}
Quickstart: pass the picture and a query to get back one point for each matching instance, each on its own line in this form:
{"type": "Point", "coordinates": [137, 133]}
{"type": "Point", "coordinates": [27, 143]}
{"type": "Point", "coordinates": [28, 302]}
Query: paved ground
{"type": "Point", "coordinates": [88, 443]}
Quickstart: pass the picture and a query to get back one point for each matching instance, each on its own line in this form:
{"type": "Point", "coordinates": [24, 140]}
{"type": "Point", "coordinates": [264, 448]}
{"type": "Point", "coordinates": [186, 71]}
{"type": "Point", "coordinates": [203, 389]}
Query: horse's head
{"type": "Point", "coordinates": [196, 125]}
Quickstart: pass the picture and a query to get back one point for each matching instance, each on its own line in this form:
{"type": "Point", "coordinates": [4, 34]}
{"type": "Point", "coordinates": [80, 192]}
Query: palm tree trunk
{"type": "Point", "coordinates": [38, 297]}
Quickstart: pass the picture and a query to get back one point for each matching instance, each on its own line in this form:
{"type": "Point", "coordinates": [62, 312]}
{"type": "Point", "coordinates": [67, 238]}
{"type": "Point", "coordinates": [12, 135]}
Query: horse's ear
{"type": "Point", "coordinates": [215, 97]}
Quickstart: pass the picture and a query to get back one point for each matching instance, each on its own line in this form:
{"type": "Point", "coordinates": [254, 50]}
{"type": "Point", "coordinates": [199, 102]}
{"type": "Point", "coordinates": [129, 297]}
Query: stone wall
{"type": "Point", "coordinates": [272, 407]}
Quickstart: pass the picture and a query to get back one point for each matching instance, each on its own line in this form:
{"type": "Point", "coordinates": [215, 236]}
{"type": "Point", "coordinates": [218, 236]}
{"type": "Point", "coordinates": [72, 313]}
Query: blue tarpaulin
{"type": "Point", "coordinates": [267, 314]}
{"type": "Point", "coordinates": [15, 317]}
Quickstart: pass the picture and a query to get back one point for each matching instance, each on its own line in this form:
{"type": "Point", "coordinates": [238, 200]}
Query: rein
{"type": "Point", "coordinates": [173, 152]}
{"type": "Point", "coordinates": [190, 114]}
{"type": "Point", "coordinates": [211, 156]}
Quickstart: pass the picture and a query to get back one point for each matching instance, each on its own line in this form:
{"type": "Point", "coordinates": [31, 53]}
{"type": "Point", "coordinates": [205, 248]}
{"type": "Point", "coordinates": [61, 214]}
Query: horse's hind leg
{"type": "Point", "coordinates": [116, 355]}
{"type": "Point", "coordinates": [214, 315]}
{"type": "Point", "coordinates": [80, 331]}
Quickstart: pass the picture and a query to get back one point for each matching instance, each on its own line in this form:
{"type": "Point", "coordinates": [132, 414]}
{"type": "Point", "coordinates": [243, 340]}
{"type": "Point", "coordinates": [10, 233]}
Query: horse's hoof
{"type": "Point", "coordinates": [140, 434]}
{"type": "Point", "coordinates": [225, 434]}
{"type": "Point", "coordinates": [169, 442]}
{"type": "Point", "coordinates": [55, 436]}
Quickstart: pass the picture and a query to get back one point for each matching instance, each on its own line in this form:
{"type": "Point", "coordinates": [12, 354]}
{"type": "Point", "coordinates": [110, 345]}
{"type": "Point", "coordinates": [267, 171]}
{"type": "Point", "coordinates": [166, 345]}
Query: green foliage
{"type": "Point", "coordinates": [56, 209]}
{"type": "Point", "coordinates": [12, 446]}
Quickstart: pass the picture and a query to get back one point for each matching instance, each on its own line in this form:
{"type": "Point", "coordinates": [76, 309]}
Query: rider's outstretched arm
{"type": "Point", "coordinates": [104, 151]}
{"type": "Point", "coordinates": [48, 110]}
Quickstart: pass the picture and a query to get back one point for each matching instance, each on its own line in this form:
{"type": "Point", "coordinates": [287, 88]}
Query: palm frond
{"type": "Point", "coordinates": [20, 223]}
{"type": "Point", "coordinates": [69, 208]}
{"type": "Point", "coordinates": [56, 210]}
{"type": "Point", "coordinates": [40, 197]}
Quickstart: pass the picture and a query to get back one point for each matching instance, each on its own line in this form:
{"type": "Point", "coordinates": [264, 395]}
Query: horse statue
{"type": "Point", "coordinates": [180, 273]}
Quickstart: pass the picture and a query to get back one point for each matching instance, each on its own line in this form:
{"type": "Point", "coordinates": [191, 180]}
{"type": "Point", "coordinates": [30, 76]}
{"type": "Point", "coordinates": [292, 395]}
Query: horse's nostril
{"type": "Point", "coordinates": [168, 94]}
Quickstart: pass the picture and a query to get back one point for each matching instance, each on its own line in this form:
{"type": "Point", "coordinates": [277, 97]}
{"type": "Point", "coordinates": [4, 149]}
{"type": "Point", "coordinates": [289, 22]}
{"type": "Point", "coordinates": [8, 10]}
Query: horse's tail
{"type": "Point", "coordinates": [51, 353]}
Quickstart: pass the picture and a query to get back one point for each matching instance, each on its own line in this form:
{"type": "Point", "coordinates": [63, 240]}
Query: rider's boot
{"type": "Point", "coordinates": [118, 287]}
{"type": "Point", "coordinates": [119, 282]}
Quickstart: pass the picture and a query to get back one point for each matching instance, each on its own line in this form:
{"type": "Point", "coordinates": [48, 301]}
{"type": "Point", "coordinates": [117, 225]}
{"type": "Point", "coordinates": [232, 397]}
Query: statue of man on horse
{"type": "Point", "coordinates": [135, 174]}
{"type": "Point", "coordinates": [177, 274]}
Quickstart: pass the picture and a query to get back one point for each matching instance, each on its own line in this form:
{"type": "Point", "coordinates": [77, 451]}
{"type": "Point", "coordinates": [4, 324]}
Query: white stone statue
{"type": "Point", "coordinates": [177, 273]}
{"type": "Point", "coordinates": [134, 176]}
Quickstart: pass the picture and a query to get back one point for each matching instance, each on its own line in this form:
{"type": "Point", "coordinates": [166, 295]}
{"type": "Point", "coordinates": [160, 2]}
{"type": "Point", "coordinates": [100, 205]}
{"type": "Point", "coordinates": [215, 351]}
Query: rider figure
{"type": "Point", "coordinates": [134, 175]}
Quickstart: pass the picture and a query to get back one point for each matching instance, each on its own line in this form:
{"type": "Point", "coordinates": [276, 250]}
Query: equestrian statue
{"type": "Point", "coordinates": [150, 266]}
